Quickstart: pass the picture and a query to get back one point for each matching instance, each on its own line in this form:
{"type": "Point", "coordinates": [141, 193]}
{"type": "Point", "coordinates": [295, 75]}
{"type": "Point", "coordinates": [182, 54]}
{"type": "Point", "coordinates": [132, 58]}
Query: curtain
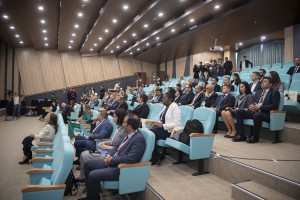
{"type": "Point", "coordinates": [262, 54]}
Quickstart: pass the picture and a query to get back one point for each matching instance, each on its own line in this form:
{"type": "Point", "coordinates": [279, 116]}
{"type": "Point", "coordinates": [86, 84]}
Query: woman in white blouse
{"type": "Point", "coordinates": [33, 139]}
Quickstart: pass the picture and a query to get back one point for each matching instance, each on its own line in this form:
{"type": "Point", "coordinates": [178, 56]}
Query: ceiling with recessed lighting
{"type": "Point", "coordinates": [154, 31]}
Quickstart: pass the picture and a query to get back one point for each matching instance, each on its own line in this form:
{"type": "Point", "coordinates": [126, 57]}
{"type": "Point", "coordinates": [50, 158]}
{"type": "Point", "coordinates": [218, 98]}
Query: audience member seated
{"type": "Point", "coordinates": [214, 82]}
{"type": "Point", "coordinates": [92, 91]}
{"type": "Point", "coordinates": [210, 96]}
{"type": "Point", "coordinates": [226, 81]}
{"type": "Point", "coordinates": [221, 103]}
{"type": "Point", "coordinates": [277, 84]}
{"type": "Point", "coordinates": [256, 83]}
{"type": "Point", "coordinates": [178, 86]}
{"type": "Point", "coordinates": [102, 130]}
{"type": "Point", "coordinates": [265, 100]}
{"type": "Point", "coordinates": [204, 84]}
{"type": "Point", "coordinates": [129, 151]}
{"type": "Point", "coordinates": [66, 111]}
{"type": "Point", "coordinates": [122, 104]}
{"type": "Point", "coordinates": [94, 101]}
{"type": "Point", "coordinates": [178, 95]}
{"type": "Point", "coordinates": [51, 109]}
{"type": "Point", "coordinates": [262, 73]}
{"type": "Point", "coordinates": [198, 97]}
{"type": "Point", "coordinates": [295, 69]}
{"type": "Point", "coordinates": [182, 81]}
{"type": "Point", "coordinates": [169, 118]}
{"type": "Point", "coordinates": [219, 66]}
{"type": "Point", "coordinates": [187, 96]}
{"type": "Point", "coordinates": [172, 90]}
{"type": "Point", "coordinates": [73, 104]}
{"type": "Point", "coordinates": [236, 79]}
{"type": "Point", "coordinates": [114, 103]}
{"type": "Point", "coordinates": [103, 146]}
{"type": "Point", "coordinates": [84, 118]}
{"type": "Point", "coordinates": [48, 131]}
{"type": "Point", "coordinates": [142, 110]}
{"type": "Point", "coordinates": [159, 96]}
{"type": "Point", "coordinates": [242, 102]}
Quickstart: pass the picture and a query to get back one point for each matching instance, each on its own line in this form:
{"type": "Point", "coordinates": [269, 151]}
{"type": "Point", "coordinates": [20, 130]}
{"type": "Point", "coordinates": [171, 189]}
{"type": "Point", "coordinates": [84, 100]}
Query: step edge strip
{"type": "Point", "coordinates": [248, 192]}
{"type": "Point", "coordinates": [154, 192]}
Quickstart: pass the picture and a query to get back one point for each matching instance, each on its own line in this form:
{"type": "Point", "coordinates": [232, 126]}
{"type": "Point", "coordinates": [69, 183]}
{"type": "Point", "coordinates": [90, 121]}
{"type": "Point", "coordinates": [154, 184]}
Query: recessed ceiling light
{"type": "Point", "coordinates": [157, 38]}
{"type": "Point", "coordinates": [43, 21]}
{"type": "Point", "coordinates": [45, 38]}
{"type": "Point", "coordinates": [71, 41]}
{"type": "Point", "coordinates": [46, 44]}
{"type": "Point", "coordinates": [124, 41]}
{"type": "Point", "coordinates": [217, 6]}
{"type": "Point", "coordinates": [69, 47]}
{"type": "Point", "coordinates": [147, 44]}
{"type": "Point", "coordinates": [111, 51]}
{"type": "Point", "coordinates": [76, 26]}
{"type": "Point", "coordinates": [21, 42]}
{"type": "Point", "coordinates": [263, 37]}
{"type": "Point", "coordinates": [240, 44]}
{"type": "Point", "coordinates": [41, 8]}
{"type": "Point", "coordinates": [79, 14]}
{"type": "Point", "coordinates": [17, 36]}
{"type": "Point", "coordinates": [192, 20]}
{"type": "Point", "coordinates": [130, 53]}
{"type": "Point", "coordinates": [73, 34]}
{"type": "Point", "coordinates": [44, 31]}
{"type": "Point", "coordinates": [160, 14]}
{"type": "Point", "coordinates": [145, 25]}
{"type": "Point", "coordinates": [100, 38]}
{"type": "Point", "coordinates": [106, 30]}
{"type": "Point", "coordinates": [12, 27]}
{"type": "Point", "coordinates": [91, 49]}
{"type": "Point", "coordinates": [173, 30]}
{"type": "Point", "coordinates": [95, 44]}
{"type": "Point", "coordinates": [138, 49]}
{"type": "Point", "coordinates": [85, 0]}
{"type": "Point", "coordinates": [125, 7]}
{"type": "Point", "coordinates": [118, 47]}
{"type": "Point", "coordinates": [5, 16]}
{"type": "Point", "coordinates": [133, 34]}
{"type": "Point", "coordinates": [114, 21]}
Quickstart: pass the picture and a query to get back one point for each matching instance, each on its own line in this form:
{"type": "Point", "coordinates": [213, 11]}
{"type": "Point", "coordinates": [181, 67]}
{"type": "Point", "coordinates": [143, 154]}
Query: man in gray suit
{"type": "Point", "coordinates": [130, 150]}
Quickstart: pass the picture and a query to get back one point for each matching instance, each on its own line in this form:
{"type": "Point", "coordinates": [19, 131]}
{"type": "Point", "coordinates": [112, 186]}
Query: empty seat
{"type": "Point", "coordinates": [266, 67]}
{"type": "Point", "coordinates": [286, 79]}
{"type": "Point", "coordinates": [295, 85]}
{"type": "Point", "coordinates": [276, 66]}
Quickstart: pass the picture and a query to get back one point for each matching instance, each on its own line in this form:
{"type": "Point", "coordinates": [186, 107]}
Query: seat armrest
{"type": "Point", "coordinates": [277, 111]}
{"type": "Point", "coordinates": [46, 139]}
{"type": "Point", "coordinates": [45, 144]}
{"type": "Point", "coordinates": [88, 130]}
{"type": "Point", "coordinates": [44, 150]}
{"type": "Point", "coordinates": [201, 135]}
{"type": "Point", "coordinates": [41, 159]}
{"type": "Point", "coordinates": [82, 123]}
{"type": "Point", "coordinates": [40, 171]}
{"type": "Point", "coordinates": [101, 140]}
{"type": "Point", "coordinates": [35, 188]}
{"type": "Point", "coordinates": [140, 164]}
{"type": "Point", "coordinates": [149, 121]}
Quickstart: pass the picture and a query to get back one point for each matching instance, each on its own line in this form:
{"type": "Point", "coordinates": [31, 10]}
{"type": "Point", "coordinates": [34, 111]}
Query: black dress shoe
{"type": "Point", "coordinates": [226, 136]}
{"type": "Point", "coordinates": [26, 161]}
{"type": "Point", "coordinates": [229, 136]}
{"type": "Point", "coordinates": [82, 198]}
{"type": "Point", "coordinates": [239, 138]}
{"type": "Point", "coordinates": [252, 140]}
{"type": "Point", "coordinates": [76, 162]}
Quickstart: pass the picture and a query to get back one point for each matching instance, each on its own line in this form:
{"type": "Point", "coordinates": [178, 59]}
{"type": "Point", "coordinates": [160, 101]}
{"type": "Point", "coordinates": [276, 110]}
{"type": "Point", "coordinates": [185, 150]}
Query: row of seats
{"type": "Point", "coordinates": [51, 166]}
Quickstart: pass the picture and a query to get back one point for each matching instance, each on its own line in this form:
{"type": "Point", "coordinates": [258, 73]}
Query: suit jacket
{"type": "Point", "coordinates": [123, 105]}
{"type": "Point", "coordinates": [292, 69]}
{"type": "Point", "coordinates": [257, 87]}
{"type": "Point", "coordinates": [160, 98]}
{"type": "Point", "coordinates": [101, 93]}
{"type": "Point", "coordinates": [228, 101]}
{"type": "Point", "coordinates": [186, 98]}
{"type": "Point", "coordinates": [228, 66]}
{"type": "Point", "coordinates": [245, 102]}
{"type": "Point", "coordinates": [271, 100]}
{"type": "Point", "coordinates": [172, 118]}
{"type": "Point", "coordinates": [247, 64]}
{"type": "Point", "coordinates": [210, 100]}
{"type": "Point", "coordinates": [199, 100]}
{"type": "Point", "coordinates": [231, 88]}
{"type": "Point", "coordinates": [217, 88]}
{"type": "Point", "coordinates": [132, 151]}
{"type": "Point", "coordinates": [104, 130]}
{"type": "Point", "coordinates": [142, 111]}
{"type": "Point", "coordinates": [177, 99]}
{"type": "Point", "coordinates": [113, 106]}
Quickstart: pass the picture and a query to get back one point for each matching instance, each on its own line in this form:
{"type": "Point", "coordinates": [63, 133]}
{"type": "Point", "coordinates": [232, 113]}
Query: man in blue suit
{"type": "Point", "coordinates": [265, 100]}
{"type": "Point", "coordinates": [129, 150]}
{"type": "Point", "coordinates": [114, 103]}
{"type": "Point", "coordinates": [103, 130]}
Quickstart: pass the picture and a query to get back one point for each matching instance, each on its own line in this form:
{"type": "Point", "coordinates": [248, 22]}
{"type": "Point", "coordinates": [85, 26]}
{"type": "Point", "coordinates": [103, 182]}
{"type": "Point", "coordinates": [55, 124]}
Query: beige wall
{"type": "Point", "coordinates": [288, 44]}
{"type": "Point", "coordinates": [180, 66]}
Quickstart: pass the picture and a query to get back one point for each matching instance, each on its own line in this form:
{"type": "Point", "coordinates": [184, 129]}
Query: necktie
{"type": "Point", "coordinates": [121, 146]}
{"type": "Point", "coordinates": [296, 69]}
{"type": "Point", "coordinates": [96, 128]}
{"type": "Point", "coordinates": [194, 99]}
{"type": "Point", "coordinates": [219, 102]}
{"type": "Point", "coordinates": [262, 97]}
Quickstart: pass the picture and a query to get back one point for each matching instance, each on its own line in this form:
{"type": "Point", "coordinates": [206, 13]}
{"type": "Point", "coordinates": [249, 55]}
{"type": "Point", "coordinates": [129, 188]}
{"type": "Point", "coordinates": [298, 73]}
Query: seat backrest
{"type": "Point", "coordinates": [100, 102]}
{"type": "Point", "coordinates": [111, 120]}
{"type": "Point", "coordinates": [130, 96]}
{"type": "Point", "coordinates": [150, 139]}
{"type": "Point", "coordinates": [219, 93]}
{"type": "Point", "coordinates": [62, 170]}
{"type": "Point", "coordinates": [257, 67]}
{"type": "Point", "coordinates": [187, 113]}
{"type": "Point", "coordinates": [95, 113]}
{"type": "Point", "coordinates": [296, 77]}
{"type": "Point", "coordinates": [135, 105]}
{"type": "Point", "coordinates": [78, 108]}
{"type": "Point", "coordinates": [276, 66]}
{"type": "Point", "coordinates": [207, 117]}
{"type": "Point", "coordinates": [295, 86]}
{"type": "Point", "coordinates": [281, 101]}
{"type": "Point", "coordinates": [155, 110]}
{"type": "Point", "coordinates": [266, 67]}
{"type": "Point", "coordinates": [235, 94]}
{"type": "Point", "coordinates": [283, 71]}
{"type": "Point", "coordinates": [288, 64]}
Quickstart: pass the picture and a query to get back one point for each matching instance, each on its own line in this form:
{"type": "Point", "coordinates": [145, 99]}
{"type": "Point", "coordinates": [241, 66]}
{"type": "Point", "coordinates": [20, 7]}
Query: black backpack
{"type": "Point", "coordinates": [191, 126]}
{"type": "Point", "coordinates": [71, 186]}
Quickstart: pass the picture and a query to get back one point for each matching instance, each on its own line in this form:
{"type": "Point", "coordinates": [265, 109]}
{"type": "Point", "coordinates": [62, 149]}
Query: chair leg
{"type": "Point", "coordinates": [276, 138]}
{"type": "Point", "coordinates": [200, 168]}
{"type": "Point", "coordinates": [180, 159]}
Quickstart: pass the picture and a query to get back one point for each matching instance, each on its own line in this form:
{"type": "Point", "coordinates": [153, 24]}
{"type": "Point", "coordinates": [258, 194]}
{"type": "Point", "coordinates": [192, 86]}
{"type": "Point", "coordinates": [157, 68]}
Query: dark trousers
{"type": "Point", "coordinates": [82, 144]}
{"type": "Point", "coordinates": [160, 134]}
{"type": "Point", "coordinates": [27, 144]}
{"type": "Point", "coordinates": [16, 112]}
{"type": "Point", "coordinates": [258, 118]}
{"type": "Point", "coordinates": [96, 171]}
{"type": "Point", "coordinates": [218, 114]}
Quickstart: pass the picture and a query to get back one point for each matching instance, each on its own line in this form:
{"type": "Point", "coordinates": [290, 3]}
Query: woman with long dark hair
{"type": "Point", "coordinates": [236, 79]}
{"type": "Point", "coordinates": [277, 84]}
{"type": "Point", "coordinates": [242, 101]}
{"type": "Point", "coordinates": [48, 131]}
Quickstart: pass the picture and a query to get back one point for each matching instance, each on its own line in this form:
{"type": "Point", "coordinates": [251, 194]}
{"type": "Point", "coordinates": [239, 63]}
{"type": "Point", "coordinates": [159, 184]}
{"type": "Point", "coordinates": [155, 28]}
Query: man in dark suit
{"type": "Point", "coordinates": [210, 96]}
{"type": "Point", "coordinates": [198, 97]}
{"type": "Point", "coordinates": [122, 104]}
{"type": "Point", "coordinates": [188, 96]}
{"type": "Point", "coordinates": [214, 82]}
{"type": "Point", "coordinates": [262, 73]}
{"type": "Point", "coordinates": [129, 150]}
{"type": "Point", "coordinates": [226, 81]}
{"type": "Point", "coordinates": [114, 103]}
{"type": "Point", "coordinates": [256, 83]}
{"type": "Point", "coordinates": [296, 68]}
{"type": "Point", "coordinates": [228, 66]}
{"type": "Point", "coordinates": [66, 110]}
{"type": "Point", "coordinates": [102, 91]}
{"type": "Point", "coordinates": [265, 100]}
{"type": "Point", "coordinates": [222, 102]}
{"type": "Point", "coordinates": [245, 63]}
{"type": "Point", "coordinates": [103, 130]}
